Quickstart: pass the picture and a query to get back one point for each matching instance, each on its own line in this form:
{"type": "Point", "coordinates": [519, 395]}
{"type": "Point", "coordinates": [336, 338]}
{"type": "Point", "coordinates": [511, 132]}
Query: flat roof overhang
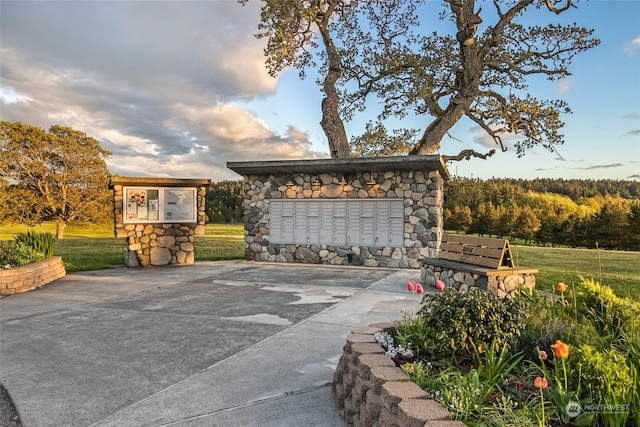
{"type": "Point", "coordinates": [350, 165]}
{"type": "Point", "coordinates": [157, 182]}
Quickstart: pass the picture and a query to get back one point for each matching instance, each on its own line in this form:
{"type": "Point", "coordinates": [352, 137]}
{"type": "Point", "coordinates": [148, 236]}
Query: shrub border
{"type": "Point", "coordinates": [31, 276]}
{"type": "Point", "coordinates": [371, 391]}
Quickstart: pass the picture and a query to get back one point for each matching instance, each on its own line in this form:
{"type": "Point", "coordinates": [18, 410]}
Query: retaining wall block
{"type": "Point", "coordinates": [372, 392]}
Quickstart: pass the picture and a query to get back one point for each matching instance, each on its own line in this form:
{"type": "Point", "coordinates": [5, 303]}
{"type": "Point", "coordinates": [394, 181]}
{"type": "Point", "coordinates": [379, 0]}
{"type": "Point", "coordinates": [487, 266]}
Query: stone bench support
{"type": "Point", "coordinates": [462, 276]}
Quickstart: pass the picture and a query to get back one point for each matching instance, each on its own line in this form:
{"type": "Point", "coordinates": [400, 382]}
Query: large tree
{"type": "Point", "coordinates": [478, 71]}
{"type": "Point", "coordinates": [291, 28]}
{"type": "Point", "coordinates": [59, 175]}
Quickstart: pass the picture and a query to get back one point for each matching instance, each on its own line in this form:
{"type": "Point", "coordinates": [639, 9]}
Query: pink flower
{"type": "Point", "coordinates": [542, 355]}
{"type": "Point", "coordinates": [440, 285]}
{"type": "Point", "coordinates": [540, 382]}
{"type": "Point", "coordinates": [419, 289]}
{"type": "Point", "coordinates": [411, 287]}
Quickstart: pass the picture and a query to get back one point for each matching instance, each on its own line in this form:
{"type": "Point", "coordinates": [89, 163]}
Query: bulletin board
{"type": "Point", "coordinates": [159, 205]}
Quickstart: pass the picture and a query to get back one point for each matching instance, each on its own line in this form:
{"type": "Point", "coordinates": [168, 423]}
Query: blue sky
{"type": "Point", "coordinates": [179, 88]}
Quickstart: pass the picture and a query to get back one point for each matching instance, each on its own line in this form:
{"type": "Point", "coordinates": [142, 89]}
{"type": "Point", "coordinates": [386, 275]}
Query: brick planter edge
{"type": "Point", "coordinates": [372, 392]}
{"type": "Point", "coordinates": [31, 276]}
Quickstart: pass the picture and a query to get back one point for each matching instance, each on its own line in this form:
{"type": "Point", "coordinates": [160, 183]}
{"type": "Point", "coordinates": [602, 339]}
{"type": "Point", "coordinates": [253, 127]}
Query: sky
{"type": "Point", "coordinates": [179, 88]}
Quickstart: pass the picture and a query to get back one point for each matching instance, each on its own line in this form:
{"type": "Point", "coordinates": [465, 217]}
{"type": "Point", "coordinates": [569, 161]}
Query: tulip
{"type": "Point", "coordinates": [542, 355]}
{"type": "Point", "coordinates": [540, 382]}
{"type": "Point", "coordinates": [562, 287]}
{"type": "Point", "coordinates": [560, 349]}
{"type": "Point", "coordinates": [419, 289]}
{"type": "Point", "coordinates": [411, 287]}
{"type": "Point", "coordinates": [440, 285]}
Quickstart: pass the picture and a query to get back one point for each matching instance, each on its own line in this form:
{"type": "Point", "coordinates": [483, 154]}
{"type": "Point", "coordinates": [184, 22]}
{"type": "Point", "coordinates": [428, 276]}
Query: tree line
{"type": "Point", "coordinates": [576, 213]}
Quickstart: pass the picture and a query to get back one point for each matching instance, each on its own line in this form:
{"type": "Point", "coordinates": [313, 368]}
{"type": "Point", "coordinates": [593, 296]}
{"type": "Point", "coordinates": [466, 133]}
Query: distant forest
{"type": "Point", "coordinates": [576, 213]}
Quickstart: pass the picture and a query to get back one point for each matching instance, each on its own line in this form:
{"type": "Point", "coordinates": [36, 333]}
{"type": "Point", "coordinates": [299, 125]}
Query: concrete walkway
{"type": "Point", "coordinates": [229, 343]}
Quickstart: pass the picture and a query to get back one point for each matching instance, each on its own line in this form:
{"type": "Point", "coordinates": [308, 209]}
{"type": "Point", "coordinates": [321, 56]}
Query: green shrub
{"type": "Point", "coordinates": [40, 242]}
{"type": "Point", "coordinates": [616, 319]}
{"type": "Point", "coordinates": [458, 323]}
{"type": "Point", "coordinates": [14, 254]}
{"type": "Point", "coordinates": [607, 378]}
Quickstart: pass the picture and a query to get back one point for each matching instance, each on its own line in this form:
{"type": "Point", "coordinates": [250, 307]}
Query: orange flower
{"type": "Point", "coordinates": [560, 349]}
{"type": "Point", "coordinates": [562, 287]}
{"type": "Point", "coordinates": [540, 382]}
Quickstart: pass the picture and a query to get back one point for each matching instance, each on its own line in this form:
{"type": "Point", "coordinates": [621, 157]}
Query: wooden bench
{"type": "Point", "coordinates": [468, 261]}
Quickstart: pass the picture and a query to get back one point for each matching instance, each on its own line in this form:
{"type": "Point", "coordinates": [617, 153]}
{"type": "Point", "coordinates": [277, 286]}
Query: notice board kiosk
{"type": "Point", "coordinates": [159, 217]}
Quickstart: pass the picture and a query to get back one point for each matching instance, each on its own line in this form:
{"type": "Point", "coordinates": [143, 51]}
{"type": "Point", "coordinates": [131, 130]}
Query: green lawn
{"type": "Point", "coordinates": [618, 269]}
{"type": "Point", "coordinates": [94, 247]}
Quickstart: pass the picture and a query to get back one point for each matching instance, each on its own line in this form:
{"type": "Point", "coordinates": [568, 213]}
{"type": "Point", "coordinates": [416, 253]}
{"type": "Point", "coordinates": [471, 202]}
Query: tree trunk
{"type": "Point", "coordinates": [430, 141]}
{"type": "Point", "coordinates": [467, 80]}
{"type": "Point", "coordinates": [331, 122]}
{"type": "Point", "coordinates": [60, 225]}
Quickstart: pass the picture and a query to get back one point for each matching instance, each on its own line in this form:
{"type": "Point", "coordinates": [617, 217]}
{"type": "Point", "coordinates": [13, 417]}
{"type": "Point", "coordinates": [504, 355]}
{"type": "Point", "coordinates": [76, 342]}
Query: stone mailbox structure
{"type": "Point", "coordinates": [374, 212]}
{"type": "Point", "coordinates": [159, 217]}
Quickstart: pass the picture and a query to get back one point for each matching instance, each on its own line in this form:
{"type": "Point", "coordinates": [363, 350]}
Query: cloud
{"type": "Point", "coordinates": [636, 176]}
{"type": "Point", "coordinates": [153, 81]}
{"type": "Point", "coordinates": [632, 47]}
{"type": "Point", "coordinates": [563, 86]}
{"type": "Point", "coordinates": [609, 166]}
{"type": "Point", "coordinates": [485, 140]}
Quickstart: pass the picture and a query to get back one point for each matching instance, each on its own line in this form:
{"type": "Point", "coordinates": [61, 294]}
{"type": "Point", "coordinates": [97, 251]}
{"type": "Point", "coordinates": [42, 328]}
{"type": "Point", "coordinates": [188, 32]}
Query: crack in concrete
{"type": "Point", "coordinates": [249, 404]}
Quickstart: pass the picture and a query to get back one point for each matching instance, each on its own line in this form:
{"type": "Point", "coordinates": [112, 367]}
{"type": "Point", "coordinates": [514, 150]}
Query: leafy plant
{"type": "Point", "coordinates": [412, 332]}
{"type": "Point", "coordinates": [14, 254]}
{"type": "Point", "coordinates": [459, 322]}
{"type": "Point", "coordinates": [40, 242]}
{"type": "Point", "coordinates": [608, 380]}
{"type": "Point", "coordinates": [463, 395]}
{"type": "Point", "coordinates": [612, 315]}
{"type": "Point", "coordinates": [492, 368]}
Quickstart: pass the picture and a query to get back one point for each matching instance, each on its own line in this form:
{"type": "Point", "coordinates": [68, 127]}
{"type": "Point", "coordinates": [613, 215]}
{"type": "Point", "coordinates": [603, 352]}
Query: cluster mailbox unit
{"type": "Point", "coordinates": [375, 212]}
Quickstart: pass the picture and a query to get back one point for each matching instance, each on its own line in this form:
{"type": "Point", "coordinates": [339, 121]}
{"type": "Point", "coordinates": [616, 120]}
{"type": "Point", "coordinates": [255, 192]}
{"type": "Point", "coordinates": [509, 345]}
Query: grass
{"type": "Point", "coordinates": [93, 247]}
{"type": "Point", "coordinates": [618, 269]}
{"type": "Point", "coordinates": [7, 231]}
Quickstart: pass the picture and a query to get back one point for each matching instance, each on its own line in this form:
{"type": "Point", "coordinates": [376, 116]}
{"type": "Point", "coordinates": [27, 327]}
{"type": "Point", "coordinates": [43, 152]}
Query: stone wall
{"type": "Point", "coordinates": [420, 191]}
{"type": "Point", "coordinates": [373, 392]}
{"type": "Point", "coordinates": [31, 276]}
{"type": "Point", "coordinates": [502, 283]}
{"type": "Point", "coordinates": [158, 244]}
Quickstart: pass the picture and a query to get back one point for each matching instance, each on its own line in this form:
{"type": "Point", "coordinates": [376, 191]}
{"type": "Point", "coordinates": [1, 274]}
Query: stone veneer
{"type": "Point", "coordinates": [416, 180]}
{"type": "Point", "coordinates": [31, 276]}
{"type": "Point", "coordinates": [503, 283]}
{"type": "Point", "coordinates": [372, 392]}
{"type": "Point", "coordinates": [153, 244]}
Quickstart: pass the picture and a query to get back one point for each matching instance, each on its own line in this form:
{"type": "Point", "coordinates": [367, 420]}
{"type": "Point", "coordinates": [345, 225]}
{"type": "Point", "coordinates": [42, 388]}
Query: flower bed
{"type": "Point", "coordinates": [572, 359]}
{"type": "Point", "coordinates": [31, 276]}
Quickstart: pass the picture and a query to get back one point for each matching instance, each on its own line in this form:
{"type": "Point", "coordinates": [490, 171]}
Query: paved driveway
{"type": "Point", "coordinates": [214, 343]}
